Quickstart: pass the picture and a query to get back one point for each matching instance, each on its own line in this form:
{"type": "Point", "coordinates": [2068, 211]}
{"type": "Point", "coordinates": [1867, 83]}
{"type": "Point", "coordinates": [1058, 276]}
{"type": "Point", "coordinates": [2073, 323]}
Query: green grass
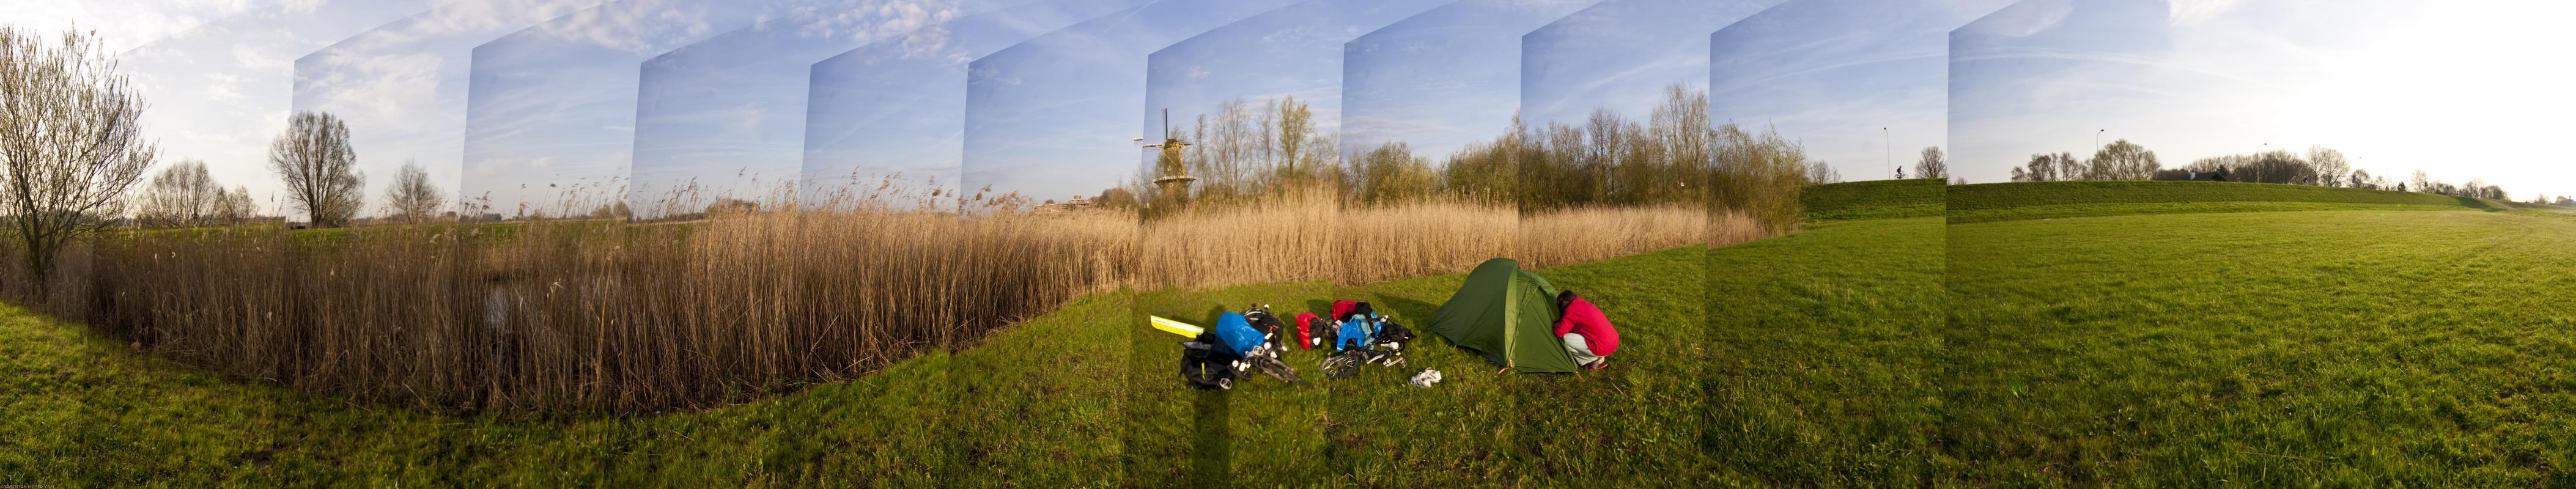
{"type": "Point", "coordinates": [1874, 199]}
{"type": "Point", "coordinates": [2051, 200]}
{"type": "Point", "coordinates": [2341, 348]}
{"type": "Point", "coordinates": [1826, 354]}
{"type": "Point", "coordinates": [2353, 342]}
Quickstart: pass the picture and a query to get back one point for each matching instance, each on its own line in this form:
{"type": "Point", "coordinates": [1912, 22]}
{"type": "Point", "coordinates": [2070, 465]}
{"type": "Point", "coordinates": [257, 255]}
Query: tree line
{"type": "Point", "coordinates": [2319, 166]}
{"type": "Point", "coordinates": [1247, 149]}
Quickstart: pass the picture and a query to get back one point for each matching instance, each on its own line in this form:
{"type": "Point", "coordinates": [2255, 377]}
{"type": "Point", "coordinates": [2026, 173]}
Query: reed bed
{"type": "Point", "coordinates": [1422, 239]}
{"type": "Point", "coordinates": [592, 315]}
{"type": "Point", "coordinates": [1282, 238]}
{"type": "Point", "coordinates": [604, 315]}
{"type": "Point", "coordinates": [1589, 234]}
{"type": "Point", "coordinates": [1729, 227]}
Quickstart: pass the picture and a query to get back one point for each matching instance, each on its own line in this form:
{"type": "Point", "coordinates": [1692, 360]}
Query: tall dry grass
{"type": "Point", "coordinates": [593, 315]}
{"type": "Point", "coordinates": [1589, 234]}
{"type": "Point", "coordinates": [604, 315]}
{"type": "Point", "coordinates": [1314, 236]}
{"type": "Point", "coordinates": [1729, 227]}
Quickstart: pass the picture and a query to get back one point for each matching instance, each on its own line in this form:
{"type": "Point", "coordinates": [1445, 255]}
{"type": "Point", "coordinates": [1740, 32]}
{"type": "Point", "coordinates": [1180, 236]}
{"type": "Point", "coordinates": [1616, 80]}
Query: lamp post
{"type": "Point", "coordinates": [2097, 138]}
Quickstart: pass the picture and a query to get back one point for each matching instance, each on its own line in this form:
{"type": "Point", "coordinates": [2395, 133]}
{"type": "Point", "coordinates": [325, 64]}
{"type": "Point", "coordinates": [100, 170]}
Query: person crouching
{"type": "Point", "coordinates": [1586, 331]}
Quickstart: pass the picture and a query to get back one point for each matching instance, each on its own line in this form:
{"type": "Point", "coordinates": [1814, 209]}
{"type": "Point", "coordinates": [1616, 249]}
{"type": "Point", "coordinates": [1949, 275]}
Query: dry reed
{"type": "Point", "coordinates": [1591, 234]}
{"type": "Point", "coordinates": [593, 315]}
{"type": "Point", "coordinates": [604, 315]}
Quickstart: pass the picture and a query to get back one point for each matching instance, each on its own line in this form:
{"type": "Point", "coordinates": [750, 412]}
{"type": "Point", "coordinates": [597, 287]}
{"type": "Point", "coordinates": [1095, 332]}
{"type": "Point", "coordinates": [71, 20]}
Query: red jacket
{"type": "Point", "coordinates": [1584, 319]}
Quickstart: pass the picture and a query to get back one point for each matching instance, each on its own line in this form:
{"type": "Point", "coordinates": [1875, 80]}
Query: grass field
{"type": "Point", "coordinates": [2347, 347]}
{"type": "Point", "coordinates": [2364, 343]}
{"type": "Point", "coordinates": [2049, 200]}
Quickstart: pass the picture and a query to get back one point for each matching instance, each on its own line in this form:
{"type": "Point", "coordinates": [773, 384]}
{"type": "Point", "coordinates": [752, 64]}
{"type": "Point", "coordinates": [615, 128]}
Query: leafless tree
{"type": "Point", "coordinates": [1819, 173]}
{"type": "Point", "coordinates": [2331, 166]}
{"type": "Point", "coordinates": [184, 194]}
{"type": "Point", "coordinates": [315, 160]}
{"type": "Point", "coordinates": [71, 143]}
{"type": "Point", "coordinates": [237, 207]}
{"type": "Point", "coordinates": [412, 196]}
{"type": "Point", "coordinates": [1933, 164]}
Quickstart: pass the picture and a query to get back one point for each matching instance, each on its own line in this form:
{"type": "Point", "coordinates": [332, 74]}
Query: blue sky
{"type": "Point", "coordinates": [899, 107]}
{"type": "Point", "coordinates": [729, 113]}
{"type": "Point", "coordinates": [2460, 90]}
{"type": "Point", "coordinates": [1620, 55]}
{"type": "Point", "coordinates": [1054, 117]}
{"type": "Point", "coordinates": [552, 111]}
{"type": "Point", "coordinates": [402, 86]}
{"type": "Point", "coordinates": [1441, 80]}
{"type": "Point", "coordinates": [228, 81]}
{"type": "Point", "coordinates": [1862, 83]}
{"type": "Point", "coordinates": [1293, 51]}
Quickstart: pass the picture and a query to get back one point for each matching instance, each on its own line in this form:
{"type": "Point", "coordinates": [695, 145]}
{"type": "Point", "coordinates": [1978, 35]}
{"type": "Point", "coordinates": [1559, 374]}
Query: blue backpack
{"type": "Point", "coordinates": [1357, 332]}
{"type": "Point", "coordinates": [1236, 334]}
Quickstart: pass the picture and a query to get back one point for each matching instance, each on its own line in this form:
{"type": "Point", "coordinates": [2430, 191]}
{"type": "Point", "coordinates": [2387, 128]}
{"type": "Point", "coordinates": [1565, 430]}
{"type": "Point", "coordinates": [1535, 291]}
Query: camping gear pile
{"type": "Point", "coordinates": [1215, 357]}
{"type": "Point", "coordinates": [1361, 336]}
{"type": "Point", "coordinates": [1503, 313]}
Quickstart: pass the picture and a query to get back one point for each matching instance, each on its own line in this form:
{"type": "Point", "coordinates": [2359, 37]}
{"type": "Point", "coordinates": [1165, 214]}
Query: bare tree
{"type": "Point", "coordinates": [2123, 160]}
{"type": "Point", "coordinates": [2422, 181]}
{"type": "Point", "coordinates": [1819, 173]}
{"type": "Point", "coordinates": [1296, 125]}
{"type": "Point", "coordinates": [315, 160]}
{"type": "Point", "coordinates": [236, 207]}
{"type": "Point", "coordinates": [411, 197]}
{"type": "Point", "coordinates": [2331, 167]}
{"type": "Point", "coordinates": [1933, 164]}
{"type": "Point", "coordinates": [184, 194]}
{"type": "Point", "coordinates": [71, 142]}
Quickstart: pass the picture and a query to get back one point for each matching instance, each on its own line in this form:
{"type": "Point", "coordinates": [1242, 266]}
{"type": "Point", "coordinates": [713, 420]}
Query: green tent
{"type": "Point", "coordinates": [1507, 314]}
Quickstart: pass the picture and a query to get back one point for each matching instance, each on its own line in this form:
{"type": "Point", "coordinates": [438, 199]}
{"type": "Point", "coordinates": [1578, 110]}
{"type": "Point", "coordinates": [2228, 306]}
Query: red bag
{"type": "Point", "coordinates": [1305, 339]}
{"type": "Point", "coordinates": [1342, 309]}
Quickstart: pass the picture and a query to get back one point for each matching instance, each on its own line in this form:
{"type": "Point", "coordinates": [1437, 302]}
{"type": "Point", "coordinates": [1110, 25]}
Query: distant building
{"type": "Point", "coordinates": [1077, 204]}
{"type": "Point", "coordinates": [2210, 176]}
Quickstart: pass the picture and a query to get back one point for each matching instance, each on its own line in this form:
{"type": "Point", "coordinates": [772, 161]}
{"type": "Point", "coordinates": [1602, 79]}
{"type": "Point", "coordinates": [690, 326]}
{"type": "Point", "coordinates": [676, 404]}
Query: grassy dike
{"type": "Point", "coordinates": [2372, 344]}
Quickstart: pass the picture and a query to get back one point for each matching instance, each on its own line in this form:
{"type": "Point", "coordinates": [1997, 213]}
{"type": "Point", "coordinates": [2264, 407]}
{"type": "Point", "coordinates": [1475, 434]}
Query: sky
{"type": "Point", "coordinates": [1047, 99]}
{"type": "Point", "coordinates": [402, 87]}
{"type": "Point", "coordinates": [1441, 80]}
{"type": "Point", "coordinates": [1053, 117]}
{"type": "Point", "coordinates": [727, 115]}
{"type": "Point", "coordinates": [224, 88]}
{"type": "Point", "coordinates": [2460, 90]}
{"type": "Point", "coordinates": [1620, 55]}
{"type": "Point", "coordinates": [897, 108]}
{"type": "Point", "coordinates": [1290, 52]}
{"type": "Point", "coordinates": [550, 120]}
{"type": "Point", "coordinates": [1862, 84]}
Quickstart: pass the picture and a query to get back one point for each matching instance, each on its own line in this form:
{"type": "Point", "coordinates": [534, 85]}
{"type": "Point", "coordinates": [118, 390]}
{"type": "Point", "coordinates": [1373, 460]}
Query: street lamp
{"type": "Point", "coordinates": [2097, 138]}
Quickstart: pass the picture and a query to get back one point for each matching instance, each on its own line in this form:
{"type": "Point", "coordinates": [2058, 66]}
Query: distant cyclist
{"type": "Point", "coordinates": [1586, 331]}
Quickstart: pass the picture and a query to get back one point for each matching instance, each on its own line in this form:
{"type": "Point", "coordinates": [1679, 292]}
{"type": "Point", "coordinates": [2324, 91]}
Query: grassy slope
{"type": "Point", "coordinates": [1874, 199]}
{"type": "Point", "coordinates": [2049, 200]}
{"type": "Point", "coordinates": [2265, 348]}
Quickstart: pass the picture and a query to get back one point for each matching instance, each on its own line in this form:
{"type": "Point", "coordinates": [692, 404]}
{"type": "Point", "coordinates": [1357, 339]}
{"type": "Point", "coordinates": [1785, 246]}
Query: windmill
{"type": "Point", "coordinates": [1172, 173]}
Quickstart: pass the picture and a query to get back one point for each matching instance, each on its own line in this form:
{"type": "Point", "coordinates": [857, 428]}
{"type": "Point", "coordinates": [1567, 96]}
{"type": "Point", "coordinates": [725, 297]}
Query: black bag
{"type": "Point", "coordinates": [1204, 367]}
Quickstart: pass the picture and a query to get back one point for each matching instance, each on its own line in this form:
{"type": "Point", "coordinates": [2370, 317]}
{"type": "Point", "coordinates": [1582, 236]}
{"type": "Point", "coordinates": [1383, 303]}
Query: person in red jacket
{"type": "Point", "coordinates": [1586, 331]}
